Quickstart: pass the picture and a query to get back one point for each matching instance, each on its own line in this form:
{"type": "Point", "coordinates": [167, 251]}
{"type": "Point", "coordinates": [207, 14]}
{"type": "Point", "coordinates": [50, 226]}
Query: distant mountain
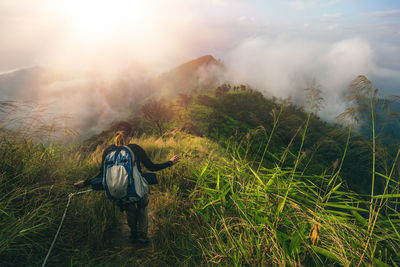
{"type": "Point", "coordinates": [22, 84]}
{"type": "Point", "coordinates": [191, 67]}
{"type": "Point", "coordinates": [94, 101]}
{"type": "Point", "coordinates": [200, 74]}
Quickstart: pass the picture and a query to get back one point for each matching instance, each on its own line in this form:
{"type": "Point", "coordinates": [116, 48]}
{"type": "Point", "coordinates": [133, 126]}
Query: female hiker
{"type": "Point", "coordinates": [136, 210]}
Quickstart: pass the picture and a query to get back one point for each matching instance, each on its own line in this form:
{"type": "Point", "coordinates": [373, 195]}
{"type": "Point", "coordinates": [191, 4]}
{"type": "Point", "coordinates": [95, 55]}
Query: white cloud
{"type": "Point", "coordinates": [333, 27]}
{"type": "Point", "coordinates": [332, 16]}
{"type": "Point", "coordinates": [284, 66]}
{"type": "Point", "coordinates": [383, 13]}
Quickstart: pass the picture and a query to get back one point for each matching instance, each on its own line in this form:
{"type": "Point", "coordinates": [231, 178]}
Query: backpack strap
{"type": "Point", "coordinates": [138, 174]}
{"type": "Point", "coordinates": [132, 155]}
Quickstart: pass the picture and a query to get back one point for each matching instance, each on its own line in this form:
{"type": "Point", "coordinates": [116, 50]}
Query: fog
{"type": "Point", "coordinates": [284, 67]}
{"type": "Point", "coordinates": [280, 67]}
{"type": "Point", "coordinates": [98, 70]}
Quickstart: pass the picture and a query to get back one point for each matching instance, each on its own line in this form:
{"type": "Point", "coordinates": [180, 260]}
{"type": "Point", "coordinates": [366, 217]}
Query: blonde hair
{"type": "Point", "coordinates": [120, 138]}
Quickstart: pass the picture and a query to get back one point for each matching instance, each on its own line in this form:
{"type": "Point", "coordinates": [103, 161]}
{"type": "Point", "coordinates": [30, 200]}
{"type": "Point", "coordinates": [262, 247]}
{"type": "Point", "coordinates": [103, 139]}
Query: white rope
{"type": "Point", "coordinates": [70, 195]}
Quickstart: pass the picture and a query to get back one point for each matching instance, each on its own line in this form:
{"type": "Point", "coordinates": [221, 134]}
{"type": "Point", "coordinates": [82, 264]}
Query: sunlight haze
{"type": "Point", "coordinates": [277, 47]}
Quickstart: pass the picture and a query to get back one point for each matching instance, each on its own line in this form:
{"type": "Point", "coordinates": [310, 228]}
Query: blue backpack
{"type": "Point", "coordinates": [122, 180]}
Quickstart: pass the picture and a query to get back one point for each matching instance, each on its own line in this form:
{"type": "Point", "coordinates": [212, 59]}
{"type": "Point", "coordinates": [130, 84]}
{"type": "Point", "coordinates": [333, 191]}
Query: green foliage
{"type": "Point", "coordinates": [247, 220]}
{"type": "Point", "coordinates": [270, 185]}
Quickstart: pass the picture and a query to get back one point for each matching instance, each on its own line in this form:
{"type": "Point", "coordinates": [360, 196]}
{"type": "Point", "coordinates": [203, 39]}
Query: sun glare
{"type": "Point", "coordinates": [103, 19]}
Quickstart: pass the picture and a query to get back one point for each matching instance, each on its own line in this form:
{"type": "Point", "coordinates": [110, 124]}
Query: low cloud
{"type": "Point", "coordinates": [284, 67]}
{"type": "Point", "coordinates": [91, 100]}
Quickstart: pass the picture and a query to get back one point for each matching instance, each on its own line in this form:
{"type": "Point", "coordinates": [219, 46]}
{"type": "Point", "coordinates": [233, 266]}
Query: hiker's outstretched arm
{"type": "Point", "coordinates": [175, 159]}
{"type": "Point", "coordinates": [80, 184]}
{"type": "Point", "coordinates": [142, 157]}
{"type": "Point", "coordinates": [96, 183]}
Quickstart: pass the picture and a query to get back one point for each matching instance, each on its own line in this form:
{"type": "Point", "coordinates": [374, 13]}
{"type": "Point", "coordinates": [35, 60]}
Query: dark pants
{"type": "Point", "coordinates": [137, 215]}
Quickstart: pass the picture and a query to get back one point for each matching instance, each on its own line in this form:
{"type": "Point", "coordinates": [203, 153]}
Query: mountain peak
{"type": "Point", "coordinates": [193, 65]}
{"type": "Point", "coordinates": [192, 75]}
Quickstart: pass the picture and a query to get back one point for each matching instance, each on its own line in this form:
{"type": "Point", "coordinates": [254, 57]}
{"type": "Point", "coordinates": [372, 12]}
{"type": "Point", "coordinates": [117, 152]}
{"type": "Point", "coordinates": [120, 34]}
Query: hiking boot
{"type": "Point", "coordinates": [144, 241]}
{"type": "Point", "coordinates": [134, 235]}
{"type": "Point", "coordinates": [140, 239]}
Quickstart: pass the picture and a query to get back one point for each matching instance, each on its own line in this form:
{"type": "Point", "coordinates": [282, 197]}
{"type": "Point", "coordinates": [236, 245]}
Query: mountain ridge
{"type": "Point", "coordinates": [198, 74]}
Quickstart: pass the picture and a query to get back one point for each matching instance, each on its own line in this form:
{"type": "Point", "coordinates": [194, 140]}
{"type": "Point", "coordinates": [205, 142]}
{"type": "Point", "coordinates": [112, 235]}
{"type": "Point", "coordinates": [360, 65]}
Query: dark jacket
{"type": "Point", "coordinates": [140, 157]}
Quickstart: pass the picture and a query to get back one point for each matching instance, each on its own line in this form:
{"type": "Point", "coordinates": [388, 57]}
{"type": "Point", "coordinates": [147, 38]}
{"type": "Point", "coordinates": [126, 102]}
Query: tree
{"type": "Point", "coordinates": [156, 112]}
{"type": "Point", "coordinates": [185, 100]}
{"type": "Point", "coordinates": [222, 90]}
{"type": "Point", "coordinates": [216, 120]}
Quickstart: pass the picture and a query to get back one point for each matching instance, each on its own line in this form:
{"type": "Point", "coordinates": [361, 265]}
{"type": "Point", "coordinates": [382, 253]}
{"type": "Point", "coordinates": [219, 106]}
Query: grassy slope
{"type": "Point", "coordinates": [210, 209]}
{"type": "Point", "coordinates": [218, 206]}
{"type": "Point", "coordinates": [33, 197]}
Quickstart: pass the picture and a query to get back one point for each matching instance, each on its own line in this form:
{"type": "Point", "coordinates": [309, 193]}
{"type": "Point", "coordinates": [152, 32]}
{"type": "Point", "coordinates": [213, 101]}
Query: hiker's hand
{"type": "Point", "coordinates": [79, 184]}
{"type": "Point", "coordinates": [175, 159]}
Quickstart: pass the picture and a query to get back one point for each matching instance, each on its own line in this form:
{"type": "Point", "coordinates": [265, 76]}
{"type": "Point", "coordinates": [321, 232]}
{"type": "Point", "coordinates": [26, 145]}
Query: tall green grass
{"type": "Point", "coordinates": [36, 179]}
{"type": "Point", "coordinates": [34, 183]}
{"type": "Point", "coordinates": [281, 216]}
{"type": "Point", "coordinates": [245, 227]}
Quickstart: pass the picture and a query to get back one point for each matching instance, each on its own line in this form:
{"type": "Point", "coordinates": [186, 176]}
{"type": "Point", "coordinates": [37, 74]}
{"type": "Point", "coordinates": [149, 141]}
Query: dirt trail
{"type": "Point", "coordinates": [134, 253]}
{"type": "Point", "coordinates": [122, 234]}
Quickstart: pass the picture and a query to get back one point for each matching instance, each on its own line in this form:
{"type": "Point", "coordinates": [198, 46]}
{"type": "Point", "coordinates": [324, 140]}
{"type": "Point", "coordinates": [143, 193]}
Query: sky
{"type": "Point", "coordinates": [278, 47]}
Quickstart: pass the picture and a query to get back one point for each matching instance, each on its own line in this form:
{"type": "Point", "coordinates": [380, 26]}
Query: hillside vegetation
{"type": "Point", "coordinates": [262, 182]}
